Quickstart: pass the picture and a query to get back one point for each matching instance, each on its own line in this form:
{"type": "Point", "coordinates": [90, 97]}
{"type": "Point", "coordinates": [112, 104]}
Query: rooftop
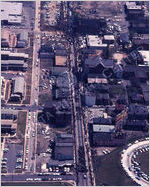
{"type": "Point", "coordinates": [93, 41]}
{"type": "Point", "coordinates": [145, 55]}
{"type": "Point", "coordinates": [103, 128]}
{"type": "Point", "coordinates": [11, 11]}
{"type": "Point", "coordinates": [109, 37]}
{"type": "Point", "coordinates": [60, 60]}
{"type": "Point", "coordinates": [18, 85]}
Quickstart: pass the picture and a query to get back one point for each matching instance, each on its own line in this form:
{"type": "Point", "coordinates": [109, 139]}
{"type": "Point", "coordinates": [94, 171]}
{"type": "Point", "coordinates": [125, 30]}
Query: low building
{"type": "Point", "coordinates": [8, 55]}
{"type": "Point", "coordinates": [93, 41]}
{"type": "Point", "coordinates": [106, 135]}
{"type": "Point", "coordinates": [22, 39]}
{"type": "Point", "coordinates": [8, 39]}
{"type": "Point", "coordinates": [8, 127]}
{"type": "Point", "coordinates": [60, 60]}
{"type": "Point", "coordinates": [137, 125]}
{"type": "Point", "coordinates": [11, 12]}
{"type": "Point", "coordinates": [13, 65]}
{"type": "Point", "coordinates": [18, 88]}
{"type": "Point", "coordinates": [138, 112]}
{"type": "Point", "coordinates": [109, 39]}
{"type": "Point", "coordinates": [64, 144]}
{"type": "Point", "coordinates": [9, 114]}
{"type": "Point", "coordinates": [61, 93]}
{"type": "Point", "coordinates": [90, 99]}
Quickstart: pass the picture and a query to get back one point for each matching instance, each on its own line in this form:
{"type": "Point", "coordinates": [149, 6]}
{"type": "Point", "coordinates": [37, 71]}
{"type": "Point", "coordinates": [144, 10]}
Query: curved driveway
{"type": "Point", "coordinates": [126, 161]}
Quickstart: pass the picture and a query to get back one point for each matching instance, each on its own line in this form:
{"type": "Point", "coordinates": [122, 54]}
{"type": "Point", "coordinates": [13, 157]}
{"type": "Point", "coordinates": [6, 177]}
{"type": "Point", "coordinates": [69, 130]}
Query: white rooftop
{"type": "Point", "coordinates": [103, 128]}
{"type": "Point", "coordinates": [11, 11]}
{"type": "Point", "coordinates": [109, 37]}
{"type": "Point", "coordinates": [145, 55]}
{"type": "Point", "coordinates": [94, 41]}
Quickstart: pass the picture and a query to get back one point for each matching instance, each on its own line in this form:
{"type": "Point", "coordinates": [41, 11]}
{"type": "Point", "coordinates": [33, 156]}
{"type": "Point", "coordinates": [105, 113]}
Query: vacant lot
{"type": "Point", "coordinates": [21, 124]}
{"type": "Point", "coordinates": [108, 170]}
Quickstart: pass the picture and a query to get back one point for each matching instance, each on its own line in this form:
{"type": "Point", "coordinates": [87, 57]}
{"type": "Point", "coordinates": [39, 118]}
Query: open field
{"type": "Point", "coordinates": [109, 171]}
{"type": "Point", "coordinates": [21, 124]}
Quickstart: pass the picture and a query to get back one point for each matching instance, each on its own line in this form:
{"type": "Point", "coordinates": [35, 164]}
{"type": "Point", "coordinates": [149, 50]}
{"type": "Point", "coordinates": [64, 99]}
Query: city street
{"type": "Point", "coordinates": [31, 143]}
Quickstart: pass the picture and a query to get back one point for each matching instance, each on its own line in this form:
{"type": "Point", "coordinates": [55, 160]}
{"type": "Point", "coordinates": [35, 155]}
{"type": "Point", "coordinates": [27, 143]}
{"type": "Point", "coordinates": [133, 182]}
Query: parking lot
{"type": "Point", "coordinates": [12, 158]}
{"type": "Point", "coordinates": [45, 136]}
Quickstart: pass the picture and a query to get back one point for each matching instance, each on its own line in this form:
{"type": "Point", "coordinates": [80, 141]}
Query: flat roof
{"type": "Point", "coordinates": [103, 128]}
{"type": "Point", "coordinates": [109, 37]}
{"type": "Point", "coordinates": [9, 53]}
{"type": "Point", "coordinates": [94, 40]}
{"type": "Point", "coordinates": [60, 60]}
{"type": "Point", "coordinates": [11, 11]}
{"type": "Point", "coordinates": [145, 55]}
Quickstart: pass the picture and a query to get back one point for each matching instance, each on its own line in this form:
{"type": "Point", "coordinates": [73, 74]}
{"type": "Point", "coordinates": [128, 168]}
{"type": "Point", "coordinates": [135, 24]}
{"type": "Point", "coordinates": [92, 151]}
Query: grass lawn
{"type": "Point", "coordinates": [37, 184]}
{"type": "Point", "coordinates": [108, 170]}
{"type": "Point", "coordinates": [21, 124]}
{"type": "Point", "coordinates": [143, 159]}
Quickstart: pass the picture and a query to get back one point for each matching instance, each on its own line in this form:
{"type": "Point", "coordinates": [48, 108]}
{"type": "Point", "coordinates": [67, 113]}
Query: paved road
{"type": "Point", "coordinates": [23, 177]}
{"type": "Point", "coordinates": [23, 107]}
{"type": "Point", "coordinates": [126, 161]}
{"type": "Point", "coordinates": [32, 143]}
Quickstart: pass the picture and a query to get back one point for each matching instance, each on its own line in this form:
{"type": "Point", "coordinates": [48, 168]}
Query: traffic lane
{"type": "Point", "coordinates": [20, 177]}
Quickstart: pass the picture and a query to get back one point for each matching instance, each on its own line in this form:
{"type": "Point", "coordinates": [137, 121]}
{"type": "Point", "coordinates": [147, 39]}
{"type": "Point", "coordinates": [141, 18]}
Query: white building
{"type": "Point", "coordinates": [11, 12]}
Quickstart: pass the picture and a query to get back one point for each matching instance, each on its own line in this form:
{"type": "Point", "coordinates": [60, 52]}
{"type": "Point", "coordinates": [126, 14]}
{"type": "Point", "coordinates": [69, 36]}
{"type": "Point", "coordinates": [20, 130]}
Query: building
{"type": "Point", "coordinates": [145, 57]}
{"type": "Point", "coordinates": [93, 41]}
{"type": "Point", "coordinates": [9, 114]}
{"type": "Point", "coordinates": [90, 99]}
{"type": "Point", "coordinates": [22, 39]}
{"type": "Point", "coordinates": [13, 65]}
{"type": "Point", "coordinates": [62, 118]}
{"type": "Point", "coordinates": [106, 135]}
{"type": "Point", "coordinates": [138, 112]}
{"type": "Point", "coordinates": [138, 125]}
{"type": "Point", "coordinates": [11, 12]}
{"type": "Point", "coordinates": [18, 88]}
{"type": "Point", "coordinates": [109, 39]}
{"type": "Point", "coordinates": [8, 127]}
{"type": "Point", "coordinates": [64, 147]}
{"type": "Point", "coordinates": [141, 39]}
{"type": "Point", "coordinates": [132, 9]}
{"type": "Point", "coordinates": [61, 93]}
{"type": "Point", "coordinates": [8, 55]}
{"type": "Point", "coordinates": [3, 87]}
{"type": "Point", "coordinates": [8, 39]}
{"type": "Point", "coordinates": [60, 60]}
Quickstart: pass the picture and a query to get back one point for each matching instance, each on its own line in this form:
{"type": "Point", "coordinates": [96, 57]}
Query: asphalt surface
{"type": "Point", "coordinates": [23, 177]}
{"type": "Point", "coordinates": [126, 161]}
